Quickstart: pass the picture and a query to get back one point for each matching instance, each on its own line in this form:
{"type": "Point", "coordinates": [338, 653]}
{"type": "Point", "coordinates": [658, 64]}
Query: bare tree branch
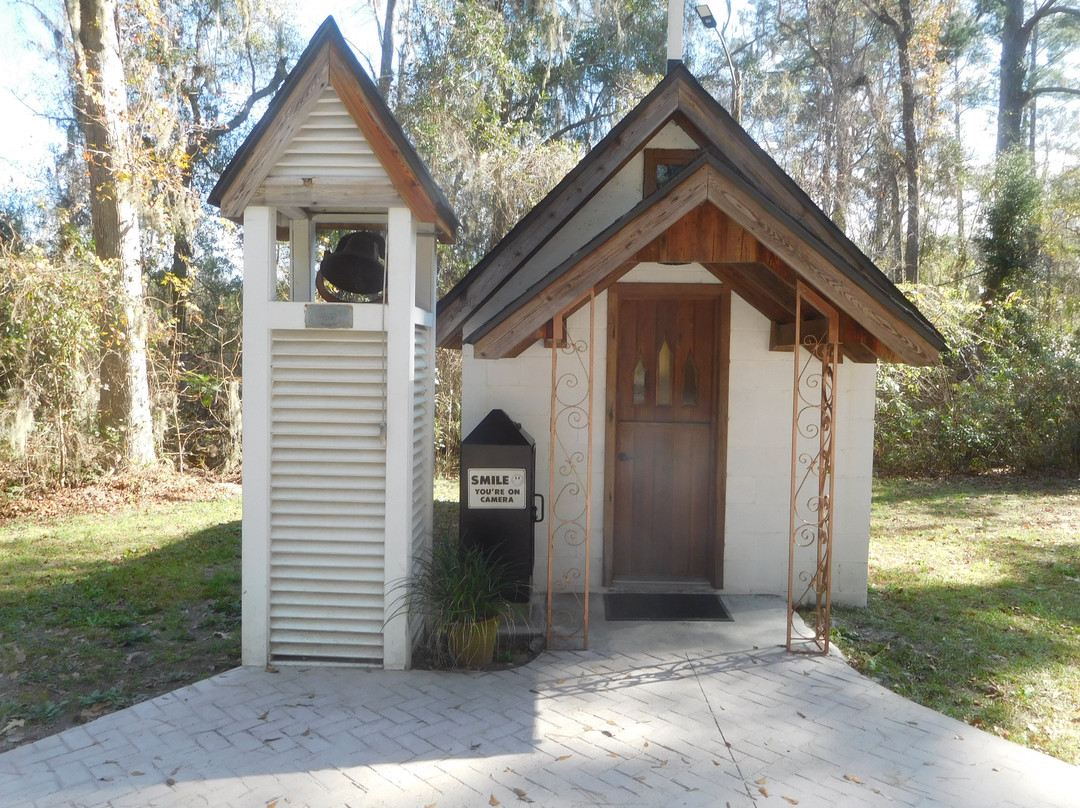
{"type": "Point", "coordinates": [1053, 91]}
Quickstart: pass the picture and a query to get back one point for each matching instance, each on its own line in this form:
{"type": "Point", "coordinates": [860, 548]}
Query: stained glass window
{"type": "Point", "coordinates": [663, 377]}
{"type": "Point", "coordinates": [639, 381]}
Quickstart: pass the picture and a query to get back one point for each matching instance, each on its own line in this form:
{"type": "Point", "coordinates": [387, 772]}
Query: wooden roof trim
{"type": "Point", "coordinates": [823, 268]}
{"type": "Point", "coordinates": [839, 267]}
{"type": "Point", "coordinates": [390, 157]}
{"type": "Point", "coordinates": [537, 226]}
{"type": "Point", "coordinates": [614, 248]}
{"type": "Point", "coordinates": [328, 61]}
{"type": "Point", "coordinates": [707, 177]}
{"type": "Point", "coordinates": [389, 142]}
{"type": "Point", "coordinates": [269, 143]}
{"type": "Point", "coordinates": [705, 114]}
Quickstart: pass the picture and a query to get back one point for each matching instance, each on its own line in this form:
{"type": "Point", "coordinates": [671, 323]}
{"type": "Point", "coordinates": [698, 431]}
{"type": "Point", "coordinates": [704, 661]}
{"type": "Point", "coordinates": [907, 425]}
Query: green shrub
{"type": "Point", "coordinates": [1005, 395]}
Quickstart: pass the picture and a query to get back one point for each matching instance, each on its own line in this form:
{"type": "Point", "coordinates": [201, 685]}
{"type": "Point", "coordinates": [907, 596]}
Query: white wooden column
{"type": "Point", "coordinates": [260, 288]}
{"type": "Point", "coordinates": [302, 250]}
{"type": "Point", "coordinates": [400, 350]}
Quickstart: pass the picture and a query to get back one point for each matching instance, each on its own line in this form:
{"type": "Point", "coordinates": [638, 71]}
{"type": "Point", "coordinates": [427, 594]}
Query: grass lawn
{"type": "Point", "coordinates": [974, 604]}
{"type": "Point", "coordinates": [104, 609]}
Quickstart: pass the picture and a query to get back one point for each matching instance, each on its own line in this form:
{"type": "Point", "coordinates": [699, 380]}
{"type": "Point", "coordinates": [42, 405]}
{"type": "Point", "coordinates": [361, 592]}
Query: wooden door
{"type": "Point", "coordinates": [664, 508]}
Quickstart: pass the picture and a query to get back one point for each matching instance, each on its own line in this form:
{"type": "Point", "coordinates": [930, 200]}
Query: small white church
{"type": "Point", "coordinates": [690, 340]}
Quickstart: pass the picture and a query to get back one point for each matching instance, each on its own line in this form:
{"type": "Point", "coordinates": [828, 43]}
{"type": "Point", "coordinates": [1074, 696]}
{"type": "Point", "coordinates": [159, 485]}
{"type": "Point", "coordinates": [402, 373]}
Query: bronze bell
{"type": "Point", "coordinates": [353, 266]}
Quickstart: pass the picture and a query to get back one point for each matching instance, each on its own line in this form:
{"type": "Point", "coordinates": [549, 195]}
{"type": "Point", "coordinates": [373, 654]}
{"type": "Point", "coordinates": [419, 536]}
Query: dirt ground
{"type": "Point", "coordinates": [113, 492]}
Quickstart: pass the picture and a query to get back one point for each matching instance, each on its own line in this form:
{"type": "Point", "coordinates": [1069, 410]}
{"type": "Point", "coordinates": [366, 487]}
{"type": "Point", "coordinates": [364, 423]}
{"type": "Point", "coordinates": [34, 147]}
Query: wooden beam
{"type": "Point", "coordinates": [861, 342]}
{"type": "Point", "coordinates": [575, 277]}
{"type": "Point", "coordinates": [782, 335]}
{"type": "Point", "coordinates": [326, 192]}
{"type": "Point", "coordinates": [555, 332]}
{"type": "Point", "coordinates": [749, 290]}
{"type": "Point", "coordinates": [856, 342]}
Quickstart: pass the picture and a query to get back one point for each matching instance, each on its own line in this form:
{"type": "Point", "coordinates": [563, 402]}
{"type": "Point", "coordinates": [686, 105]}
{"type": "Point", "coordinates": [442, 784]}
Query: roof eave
{"type": "Point", "coordinates": [920, 345]}
{"type": "Point", "coordinates": [328, 39]}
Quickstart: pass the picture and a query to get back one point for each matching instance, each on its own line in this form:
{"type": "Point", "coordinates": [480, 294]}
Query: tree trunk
{"type": "Point", "coordinates": [101, 110]}
{"type": "Point", "coordinates": [1033, 111]}
{"type": "Point", "coordinates": [911, 140]}
{"type": "Point", "coordinates": [386, 66]}
{"type": "Point", "coordinates": [1012, 94]}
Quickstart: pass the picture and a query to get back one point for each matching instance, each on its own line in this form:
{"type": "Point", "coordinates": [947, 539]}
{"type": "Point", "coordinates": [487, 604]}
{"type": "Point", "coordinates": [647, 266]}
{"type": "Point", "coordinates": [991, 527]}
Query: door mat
{"type": "Point", "coordinates": [667, 606]}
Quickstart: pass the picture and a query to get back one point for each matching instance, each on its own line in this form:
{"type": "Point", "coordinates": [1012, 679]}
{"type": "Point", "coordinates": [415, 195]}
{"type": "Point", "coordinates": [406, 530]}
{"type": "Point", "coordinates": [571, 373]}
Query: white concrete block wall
{"type": "Point", "coordinates": [759, 444]}
{"type": "Point", "coordinates": [522, 387]}
{"type": "Point", "coordinates": [854, 477]}
{"type": "Point", "coordinates": [758, 459]}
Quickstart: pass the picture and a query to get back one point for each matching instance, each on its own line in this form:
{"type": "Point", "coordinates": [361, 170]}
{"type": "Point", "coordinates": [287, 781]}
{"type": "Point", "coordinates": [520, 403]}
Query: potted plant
{"type": "Point", "coordinates": [461, 592]}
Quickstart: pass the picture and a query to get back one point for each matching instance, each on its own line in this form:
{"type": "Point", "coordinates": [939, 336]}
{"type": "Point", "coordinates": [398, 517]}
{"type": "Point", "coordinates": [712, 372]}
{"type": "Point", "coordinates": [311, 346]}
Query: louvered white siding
{"type": "Point", "coordinates": [422, 449]}
{"type": "Point", "coordinates": [327, 495]}
{"type": "Point", "coordinates": [327, 152]}
{"type": "Point", "coordinates": [423, 414]}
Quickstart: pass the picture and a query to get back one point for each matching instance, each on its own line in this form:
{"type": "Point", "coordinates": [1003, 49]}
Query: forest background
{"type": "Point", "coordinates": [940, 134]}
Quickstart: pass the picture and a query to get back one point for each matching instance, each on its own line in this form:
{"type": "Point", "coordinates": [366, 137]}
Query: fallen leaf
{"type": "Point", "coordinates": [170, 782]}
{"type": "Point", "coordinates": [647, 743]}
{"type": "Point", "coordinates": [13, 725]}
{"type": "Point", "coordinates": [305, 733]}
{"type": "Point", "coordinates": [764, 791]}
{"type": "Point", "coordinates": [763, 781]}
{"type": "Point", "coordinates": [271, 669]}
{"type": "Point", "coordinates": [612, 754]}
{"type": "Point", "coordinates": [640, 778]}
{"type": "Point", "coordinates": [612, 723]}
{"type": "Point", "coordinates": [564, 757]}
{"type": "Point", "coordinates": [791, 801]}
{"type": "Point", "coordinates": [717, 763]}
{"type": "Point", "coordinates": [137, 774]}
{"type": "Point", "coordinates": [264, 715]}
{"type": "Point", "coordinates": [431, 805]}
{"type": "Point", "coordinates": [272, 804]}
{"type": "Point", "coordinates": [493, 801]}
{"type": "Point", "coordinates": [852, 778]}
{"type": "Point", "coordinates": [605, 732]}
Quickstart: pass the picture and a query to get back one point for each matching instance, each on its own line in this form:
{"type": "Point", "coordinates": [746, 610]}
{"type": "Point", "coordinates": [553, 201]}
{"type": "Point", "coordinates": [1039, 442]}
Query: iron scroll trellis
{"type": "Point", "coordinates": [570, 477]}
{"type": "Point", "coordinates": [813, 443]}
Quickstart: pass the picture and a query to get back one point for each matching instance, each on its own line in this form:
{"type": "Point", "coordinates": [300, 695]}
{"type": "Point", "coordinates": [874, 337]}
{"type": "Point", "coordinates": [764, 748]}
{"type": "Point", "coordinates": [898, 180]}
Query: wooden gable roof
{"type": "Point", "coordinates": [327, 86]}
{"type": "Point", "coordinates": [733, 185]}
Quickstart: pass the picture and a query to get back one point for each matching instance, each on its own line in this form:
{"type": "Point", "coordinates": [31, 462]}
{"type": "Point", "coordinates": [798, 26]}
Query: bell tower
{"type": "Point", "coordinates": [341, 220]}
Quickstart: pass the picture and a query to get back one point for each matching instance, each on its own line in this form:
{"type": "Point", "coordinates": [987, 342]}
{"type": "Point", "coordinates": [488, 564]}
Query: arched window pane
{"type": "Point", "coordinates": [639, 381]}
{"type": "Point", "coordinates": [663, 377]}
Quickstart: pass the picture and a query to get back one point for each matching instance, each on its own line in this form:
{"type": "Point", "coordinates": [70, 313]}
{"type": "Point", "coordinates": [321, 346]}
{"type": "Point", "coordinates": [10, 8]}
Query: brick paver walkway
{"type": "Point", "coordinates": [671, 727]}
